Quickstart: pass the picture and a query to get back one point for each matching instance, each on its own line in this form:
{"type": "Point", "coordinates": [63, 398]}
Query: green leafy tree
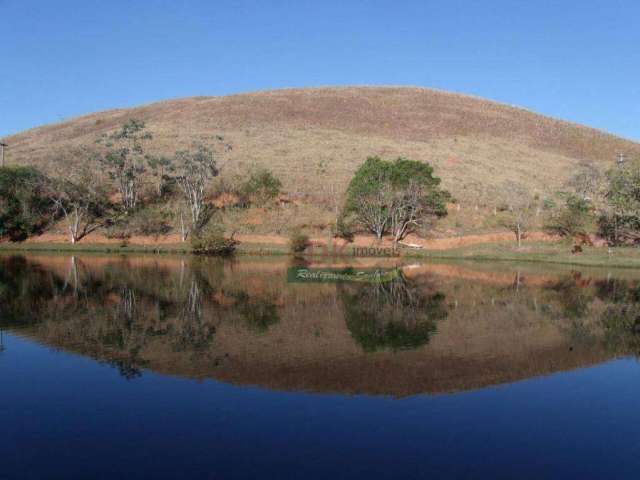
{"type": "Point", "coordinates": [620, 217]}
{"type": "Point", "coordinates": [574, 217]}
{"type": "Point", "coordinates": [396, 196]}
{"type": "Point", "coordinates": [24, 202]}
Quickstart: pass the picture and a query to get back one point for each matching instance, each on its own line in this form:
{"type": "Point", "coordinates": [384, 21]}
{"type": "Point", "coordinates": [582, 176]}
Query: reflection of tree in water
{"type": "Point", "coordinates": [117, 313]}
{"type": "Point", "coordinates": [616, 312]}
{"type": "Point", "coordinates": [573, 294]}
{"type": "Point", "coordinates": [24, 289]}
{"type": "Point", "coordinates": [194, 332]}
{"type": "Point", "coordinates": [127, 368]}
{"type": "Point", "coordinates": [614, 290]}
{"type": "Point", "coordinates": [392, 315]}
{"type": "Point", "coordinates": [259, 313]}
{"type": "Point", "coordinates": [621, 318]}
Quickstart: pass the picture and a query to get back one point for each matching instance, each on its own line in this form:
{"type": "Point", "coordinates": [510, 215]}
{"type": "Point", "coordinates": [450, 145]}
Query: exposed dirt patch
{"type": "Point", "coordinates": [318, 242]}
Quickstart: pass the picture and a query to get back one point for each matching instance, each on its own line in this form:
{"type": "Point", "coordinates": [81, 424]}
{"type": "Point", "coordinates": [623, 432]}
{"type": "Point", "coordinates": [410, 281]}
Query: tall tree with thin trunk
{"type": "Point", "coordinates": [518, 210]}
{"type": "Point", "coordinates": [195, 169]}
{"type": "Point", "coordinates": [124, 160]}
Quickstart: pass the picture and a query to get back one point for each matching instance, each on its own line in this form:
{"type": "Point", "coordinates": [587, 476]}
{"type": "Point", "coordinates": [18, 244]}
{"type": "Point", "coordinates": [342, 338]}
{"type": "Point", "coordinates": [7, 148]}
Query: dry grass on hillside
{"type": "Point", "coordinates": [475, 145]}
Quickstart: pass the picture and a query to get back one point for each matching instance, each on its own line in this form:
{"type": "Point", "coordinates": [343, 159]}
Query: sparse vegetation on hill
{"type": "Point", "coordinates": [475, 145]}
{"type": "Point", "coordinates": [290, 156]}
{"type": "Point", "coordinates": [261, 187]}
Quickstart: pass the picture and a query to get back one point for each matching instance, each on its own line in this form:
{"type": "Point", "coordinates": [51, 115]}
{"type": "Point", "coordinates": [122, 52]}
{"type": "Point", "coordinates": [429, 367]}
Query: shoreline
{"type": "Point", "coordinates": [534, 253]}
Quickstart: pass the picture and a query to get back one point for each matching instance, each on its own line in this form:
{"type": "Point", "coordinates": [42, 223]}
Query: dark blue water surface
{"type": "Point", "coordinates": [76, 415]}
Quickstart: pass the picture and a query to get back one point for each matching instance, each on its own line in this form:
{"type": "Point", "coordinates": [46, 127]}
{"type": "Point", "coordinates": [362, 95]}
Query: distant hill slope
{"type": "Point", "coordinates": [474, 144]}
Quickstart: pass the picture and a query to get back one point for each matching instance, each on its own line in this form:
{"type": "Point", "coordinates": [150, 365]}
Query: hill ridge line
{"type": "Point", "coordinates": [318, 89]}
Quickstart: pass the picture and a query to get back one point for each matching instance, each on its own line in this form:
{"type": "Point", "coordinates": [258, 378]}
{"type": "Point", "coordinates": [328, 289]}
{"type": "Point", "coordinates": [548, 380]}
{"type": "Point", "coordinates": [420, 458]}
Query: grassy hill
{"type": "Point", "coordinates": [314, 139]}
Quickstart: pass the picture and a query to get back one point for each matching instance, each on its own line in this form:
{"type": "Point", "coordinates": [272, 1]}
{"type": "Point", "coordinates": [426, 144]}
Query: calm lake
{"type": "Point", "coordinates": [180, 367]}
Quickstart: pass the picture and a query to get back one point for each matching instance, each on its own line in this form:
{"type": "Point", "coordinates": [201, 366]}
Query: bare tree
{"type": "Point", "coordinates": [124, 160]}
{"type": "Point", "coordinates": [82, 204]}
{"type": "Point", "coordinates": [195, 168]}
{"type": "Point", "coordinates": [411, 206]}
{"type": "Point", "coordinates": [373, 211]}
{"type": "Point", "coordinates": [587, 182]}
{"type": "Point", "coordinates": [519, 209]}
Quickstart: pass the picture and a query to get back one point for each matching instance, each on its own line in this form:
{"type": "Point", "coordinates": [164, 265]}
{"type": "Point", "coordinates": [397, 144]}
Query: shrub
{"type": "Point", "coordinates": [150, 222]}
{"type": "Point", "coordinates": [344, 228]}
{"type": "Point", "coordinates": [153, 227]}
{"type": "Point", "coordinates": [120, 230]}
{"type": "Point", "coordinates": [575, 217]}
{"type": "Point", "coordinates": [298, 242]}
{"type": "Point", "coordinates": [261, 187]}
{"type": "Point", "coordinates": [212, 242]}
{"type": "Point", "coordinates": [25, 207]}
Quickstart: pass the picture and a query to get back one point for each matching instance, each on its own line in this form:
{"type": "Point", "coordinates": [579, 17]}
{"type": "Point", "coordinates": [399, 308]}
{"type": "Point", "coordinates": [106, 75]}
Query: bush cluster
{"type": "Point", "coordinates": [212, 242]}
{"type": "Point", "coordinates": [25, 208]}
{"type": "Point", "coordinates": [299, 242]}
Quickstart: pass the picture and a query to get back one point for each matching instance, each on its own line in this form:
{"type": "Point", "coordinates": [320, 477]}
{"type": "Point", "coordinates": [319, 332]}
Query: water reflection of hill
{"type": "Point", "coordinates": [436, 328]}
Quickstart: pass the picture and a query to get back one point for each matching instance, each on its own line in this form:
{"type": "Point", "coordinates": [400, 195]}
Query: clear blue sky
{"type": "Point", "coordinates": [576, 60]}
